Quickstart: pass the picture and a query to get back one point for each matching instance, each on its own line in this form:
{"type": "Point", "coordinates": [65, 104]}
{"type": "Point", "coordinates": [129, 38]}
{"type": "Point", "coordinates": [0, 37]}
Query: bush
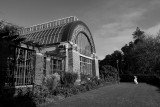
{"type": "Point", "coordinates": [51, 81]}
{"type": "Point", "coordinates": [85, 77]}
{"type": "Point", "coordinates": [22, 99]}
{"type": "Point", "coordinates": [149, 79]}
{"type": "Point", "coordinates": [97, 81]}
{"type": "Point", "coordinates": [109, 73]}
{"type": "Point", "coordinates": [93, 83]}
{"type": "Point", "coordinates": [81, 88]}
{"type": "Point", "coordinates": [126, 78]}
{"type": "Point", "coordinates": [40, 93]}
{"type": "Point", "coordinates": [25, 100]}
{"type": "Point", "coordinates": [69, 79]}
{"type": "Point", "coordinates": [64, 91]}
{"type": "Point", "coordinates": [90, 85]}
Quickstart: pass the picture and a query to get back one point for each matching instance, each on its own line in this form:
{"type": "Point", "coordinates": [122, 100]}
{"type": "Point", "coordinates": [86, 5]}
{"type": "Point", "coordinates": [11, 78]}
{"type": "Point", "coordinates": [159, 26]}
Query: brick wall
{"type": "Point", "coordinates": [48, 66]}
{"type": "Point", "coordinates": [66, 61]}
{"type": "Point", "coordinates": [93, 68]}
{"type": "Point", "coordinates": [97, 67]}
{"type": "Point", "coordinates": [39, 69]}
{"type": "Point", "coordinates": [70, 61]}
{"type": "Point", "coordinates": [76, 63]}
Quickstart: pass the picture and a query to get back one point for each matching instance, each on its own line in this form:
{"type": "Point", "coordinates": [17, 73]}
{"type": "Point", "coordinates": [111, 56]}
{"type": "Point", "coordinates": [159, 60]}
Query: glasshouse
{"type": "Point", "coordinates": [63, 45]}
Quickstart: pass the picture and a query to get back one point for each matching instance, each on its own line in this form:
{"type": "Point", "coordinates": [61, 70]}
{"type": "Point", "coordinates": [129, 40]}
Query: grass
{"type": "Point", "coordinates": [119, 95]}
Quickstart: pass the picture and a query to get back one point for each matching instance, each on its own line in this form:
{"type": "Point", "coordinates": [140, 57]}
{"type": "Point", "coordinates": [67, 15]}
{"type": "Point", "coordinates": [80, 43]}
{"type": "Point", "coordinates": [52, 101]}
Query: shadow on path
{"type": "Point", "coordinates": [154, 82]}
{"type": "Point", "coordinates": [157, 85]}
{"type": "Point", "coordinates": [151, 80]}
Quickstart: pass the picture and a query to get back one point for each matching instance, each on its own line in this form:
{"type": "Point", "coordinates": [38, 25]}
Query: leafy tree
{"type": "Point", "coordinates": [117, 57]}
{"type": "Point", "coordinates": [108, 72]}
{"type": "Point", "coordinates": [111, 63]}
{"type": "Point", "coordinates": [113, 59]}
{"type": "Point", "coordinates": [140, 57]}
{"type": "Point", "coordinates": [127, 58]}
{"type": "Point", "coordinates": [10, 32]}
{"type": "Point", "coordinates": [147, 55]}
{"type": "Point", "coordinates": [129, 64]}
{"type": "Point", "coordinates": [138, 35]}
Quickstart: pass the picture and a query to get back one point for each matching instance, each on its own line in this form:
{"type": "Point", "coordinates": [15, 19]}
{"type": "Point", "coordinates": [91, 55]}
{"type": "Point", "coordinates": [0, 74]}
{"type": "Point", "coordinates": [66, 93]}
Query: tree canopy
{"type": "Point", "coordinates": [9, 32]}
{"type": "Point", "coordinates": [140, 56]}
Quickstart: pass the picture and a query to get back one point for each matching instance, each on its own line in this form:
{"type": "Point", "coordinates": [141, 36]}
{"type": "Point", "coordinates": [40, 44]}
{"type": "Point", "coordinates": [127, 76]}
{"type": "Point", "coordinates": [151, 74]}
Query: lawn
{"type": "Point", "coordinates": [118, 95]}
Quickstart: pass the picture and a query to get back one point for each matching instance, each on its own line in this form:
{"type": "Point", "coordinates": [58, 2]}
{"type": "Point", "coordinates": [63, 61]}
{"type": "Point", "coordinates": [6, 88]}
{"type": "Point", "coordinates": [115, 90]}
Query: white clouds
{"type": "Point", "coordinates": [133, 15]}
{"type": "Point", "coordinates": [153, 30]}
{"type": "Point", "coordinates": [123, 23]}
{"type": "Point", "coordinates": [107, 45]}
{"type": "Point", "coordinates": [113, 36]}
{"type": "Point", "coordinates": [155, 2]}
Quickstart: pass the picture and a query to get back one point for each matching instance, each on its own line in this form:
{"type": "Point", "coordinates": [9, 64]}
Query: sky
{"type": "Point", "coordinates": [111, 22]}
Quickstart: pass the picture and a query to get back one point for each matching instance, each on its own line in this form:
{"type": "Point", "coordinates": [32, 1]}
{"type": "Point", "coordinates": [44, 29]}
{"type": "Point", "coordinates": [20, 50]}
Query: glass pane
{"type": "Point", "coordinates": [83, 43]}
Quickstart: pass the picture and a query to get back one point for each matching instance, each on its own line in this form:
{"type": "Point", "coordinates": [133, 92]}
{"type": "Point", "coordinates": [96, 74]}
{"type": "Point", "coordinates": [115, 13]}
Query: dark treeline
{"type": "Point", "coordinates": [139, 57]}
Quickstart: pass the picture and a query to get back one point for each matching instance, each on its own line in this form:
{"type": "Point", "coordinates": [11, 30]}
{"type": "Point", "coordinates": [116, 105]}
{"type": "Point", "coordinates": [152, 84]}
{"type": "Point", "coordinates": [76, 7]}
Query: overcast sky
{"type": "Point", "coordinates": [111, 22]}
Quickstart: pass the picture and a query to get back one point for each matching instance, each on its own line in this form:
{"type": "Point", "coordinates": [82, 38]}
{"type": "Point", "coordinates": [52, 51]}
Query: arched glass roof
{"type": "Point", "coordinates": [62, 30]}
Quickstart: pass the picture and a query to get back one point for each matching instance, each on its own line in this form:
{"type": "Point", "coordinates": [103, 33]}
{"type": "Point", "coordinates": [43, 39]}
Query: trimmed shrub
{"type": "Point", "coordinates": [68, 79]}
{"type": "Point", "coordinates": [51, 81]}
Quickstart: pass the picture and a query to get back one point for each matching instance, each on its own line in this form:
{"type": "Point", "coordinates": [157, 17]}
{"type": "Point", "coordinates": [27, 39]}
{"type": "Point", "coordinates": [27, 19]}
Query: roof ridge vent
{"type": "Point", "coordinates": [50, 24]}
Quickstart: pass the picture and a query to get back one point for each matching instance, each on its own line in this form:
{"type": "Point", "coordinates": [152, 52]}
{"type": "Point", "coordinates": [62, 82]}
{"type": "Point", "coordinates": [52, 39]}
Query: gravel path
{"type": "Point", "coordinates": [119, 95]}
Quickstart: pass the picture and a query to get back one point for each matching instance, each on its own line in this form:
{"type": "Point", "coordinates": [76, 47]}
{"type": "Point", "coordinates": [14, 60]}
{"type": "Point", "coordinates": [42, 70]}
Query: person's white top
{"type": "Point", "coordinates": [135, 80]}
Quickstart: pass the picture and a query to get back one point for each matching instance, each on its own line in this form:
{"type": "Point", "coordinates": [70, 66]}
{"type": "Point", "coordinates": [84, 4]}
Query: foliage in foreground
{"type": "Point", "coordinates": [93, 83]}
{"type": "Point", "coordinates": [41, 94]}
{"type": "Point", "coordinates": [68, 79]}
{"type": "Point", "coordinates": [9, 34]}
